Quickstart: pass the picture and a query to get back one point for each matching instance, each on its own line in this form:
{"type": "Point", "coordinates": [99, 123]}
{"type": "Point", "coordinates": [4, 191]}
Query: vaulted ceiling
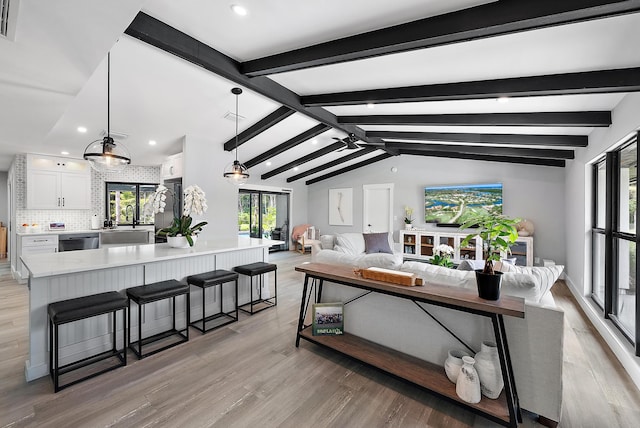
{"type": "Point", "coordinates": [506, 81]}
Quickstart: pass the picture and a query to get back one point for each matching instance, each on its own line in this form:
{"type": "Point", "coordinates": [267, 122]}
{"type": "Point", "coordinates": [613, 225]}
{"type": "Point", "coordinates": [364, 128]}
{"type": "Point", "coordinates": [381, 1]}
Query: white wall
{"type": "Point", "coordinates": [625, 122]}
{"type": "Point", "coordinates": [536, 193]}
{"type": "Point", "coordinates": [204, 163]}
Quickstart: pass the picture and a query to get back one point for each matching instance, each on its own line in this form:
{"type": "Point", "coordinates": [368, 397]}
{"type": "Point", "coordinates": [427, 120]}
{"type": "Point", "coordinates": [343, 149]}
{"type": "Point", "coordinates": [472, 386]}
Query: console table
{"type": "Point", "coordinates": [505, 410]}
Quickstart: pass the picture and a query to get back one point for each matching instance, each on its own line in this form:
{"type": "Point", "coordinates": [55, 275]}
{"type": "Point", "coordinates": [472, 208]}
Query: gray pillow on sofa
{"type": "Point", "coordinates": [377, 243]}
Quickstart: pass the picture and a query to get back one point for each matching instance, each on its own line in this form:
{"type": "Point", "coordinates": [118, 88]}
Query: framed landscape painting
{"type": "Point", "coordinates": [341, 207]}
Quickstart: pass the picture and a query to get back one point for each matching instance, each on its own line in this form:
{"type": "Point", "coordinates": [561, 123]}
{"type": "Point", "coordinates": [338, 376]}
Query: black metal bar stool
{"type": "Point", "coordinates": [144, 294]}
{"type": "Point", "coordinates": [259, 269]}
{"type": "Point", "coordinates": [71, 310]}
{"type": "Point", "coordinates": [210, 279]}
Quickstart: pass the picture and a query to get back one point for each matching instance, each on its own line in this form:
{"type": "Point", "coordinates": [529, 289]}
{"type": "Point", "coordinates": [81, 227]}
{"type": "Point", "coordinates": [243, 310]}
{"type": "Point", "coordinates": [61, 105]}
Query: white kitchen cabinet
{"type": "Point", "coordinates": [37, 244]}
{"type": "Point", "coordinates": [172, 167]}
{"type": "Point", "coordinates": [58, 183]}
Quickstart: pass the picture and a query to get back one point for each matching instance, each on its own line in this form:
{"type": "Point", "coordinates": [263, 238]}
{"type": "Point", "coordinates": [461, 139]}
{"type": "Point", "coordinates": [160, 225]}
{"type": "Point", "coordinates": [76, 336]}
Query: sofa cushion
{"type": "Point", "coordinates": [327, 242]}
{"type": "Point", "coordinates": [377, 243]}
{"type": "Point", "coordinates": [350, 243]}
{"type": "Point", "coordinates": [546, 275]}
{"type": "Point", "coordinates": [522, 285]}
{"type": "Point", "coordinates": [438, 275]}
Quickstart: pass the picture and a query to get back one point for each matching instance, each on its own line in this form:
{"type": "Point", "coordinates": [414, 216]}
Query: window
{"type": "Point", "coordinates": [614, 238]}
{"type": "Point", "coordinates": [125, 202]}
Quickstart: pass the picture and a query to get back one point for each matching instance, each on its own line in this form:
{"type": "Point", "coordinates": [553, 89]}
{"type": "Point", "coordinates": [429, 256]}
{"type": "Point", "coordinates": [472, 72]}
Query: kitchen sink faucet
{"type": "Point", "coordinates": [133, 215]}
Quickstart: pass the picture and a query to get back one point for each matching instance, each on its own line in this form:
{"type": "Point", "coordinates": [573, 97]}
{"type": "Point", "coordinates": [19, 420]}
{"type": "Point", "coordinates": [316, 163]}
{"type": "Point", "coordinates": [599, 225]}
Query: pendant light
{"type": "Point", "coordinates": [106, 155]}
{"type": "Point", "coordinates": [236, 172]}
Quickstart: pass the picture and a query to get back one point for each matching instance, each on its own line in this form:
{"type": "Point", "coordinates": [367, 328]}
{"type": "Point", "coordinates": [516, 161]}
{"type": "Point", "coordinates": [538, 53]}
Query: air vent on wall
{"type": "Point", "coordinates": [114, 134]}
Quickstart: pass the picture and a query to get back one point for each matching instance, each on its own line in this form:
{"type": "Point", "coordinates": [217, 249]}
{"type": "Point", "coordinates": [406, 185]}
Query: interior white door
{"type": "Point", "coordinates": [377, 208]}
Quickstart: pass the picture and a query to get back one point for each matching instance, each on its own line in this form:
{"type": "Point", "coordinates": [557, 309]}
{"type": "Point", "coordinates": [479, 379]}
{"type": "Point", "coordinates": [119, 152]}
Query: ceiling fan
{"type": "Point", "coordinates": [350, 142]}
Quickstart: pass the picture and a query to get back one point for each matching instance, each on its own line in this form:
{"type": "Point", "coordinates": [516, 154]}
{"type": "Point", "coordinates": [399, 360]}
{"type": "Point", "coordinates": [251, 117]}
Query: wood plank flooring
{"type": "Point", "coordinates": [250, 374]}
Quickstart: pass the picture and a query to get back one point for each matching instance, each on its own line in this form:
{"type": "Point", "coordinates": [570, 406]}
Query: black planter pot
{"type": "Point", "coordinates": [488, 285]}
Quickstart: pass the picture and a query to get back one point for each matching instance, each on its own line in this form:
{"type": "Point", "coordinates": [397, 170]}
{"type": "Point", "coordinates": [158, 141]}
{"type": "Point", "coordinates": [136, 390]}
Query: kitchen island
{"type": "Point", "coordinates": [61, 276]}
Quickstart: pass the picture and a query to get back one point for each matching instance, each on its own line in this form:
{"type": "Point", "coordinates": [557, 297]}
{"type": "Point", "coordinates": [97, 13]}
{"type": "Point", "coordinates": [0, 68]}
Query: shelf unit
{"type": "Point", "coordinates": [419, 244]}
{"type": "Point", "coordinates": [505, 410]}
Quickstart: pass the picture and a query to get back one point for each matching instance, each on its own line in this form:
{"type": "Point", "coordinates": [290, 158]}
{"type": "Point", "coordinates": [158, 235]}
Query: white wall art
{"type": "Point", "coordinates": [341, 207]}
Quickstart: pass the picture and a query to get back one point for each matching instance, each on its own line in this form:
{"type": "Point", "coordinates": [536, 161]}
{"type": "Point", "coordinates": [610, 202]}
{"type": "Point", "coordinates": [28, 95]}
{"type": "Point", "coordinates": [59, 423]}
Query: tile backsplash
{"type": "Point", "coordinates": [76, 219]}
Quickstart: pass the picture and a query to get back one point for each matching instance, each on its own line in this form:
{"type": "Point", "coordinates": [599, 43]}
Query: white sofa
{"type": "Point", "coordinates": [535, 342]}
{"type": "Point", "coordinates": [350, 249]}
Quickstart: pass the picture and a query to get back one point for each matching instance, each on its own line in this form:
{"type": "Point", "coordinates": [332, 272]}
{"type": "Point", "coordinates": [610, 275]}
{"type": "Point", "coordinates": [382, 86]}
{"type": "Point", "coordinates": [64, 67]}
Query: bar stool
{"type": "Point", "coordinates": [254, 269]}
{"type": "Point", "coordinates": [71, 310]}
{"type": "Point", "coordinates": [154, 292]}
{"type": "Point", "coordinates": [210, 279]}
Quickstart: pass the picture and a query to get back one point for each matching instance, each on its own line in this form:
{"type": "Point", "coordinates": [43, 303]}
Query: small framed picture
{"type": "Point", "coordinates": [328, 319]}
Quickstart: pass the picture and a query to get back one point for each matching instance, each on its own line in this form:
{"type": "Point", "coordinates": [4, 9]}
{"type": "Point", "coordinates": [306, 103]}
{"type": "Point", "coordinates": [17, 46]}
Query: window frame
{"type": "Point", "coordinates": [137, 208]}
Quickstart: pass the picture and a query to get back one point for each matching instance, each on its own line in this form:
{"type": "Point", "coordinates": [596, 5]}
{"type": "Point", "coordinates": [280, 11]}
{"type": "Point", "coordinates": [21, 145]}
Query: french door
{"type": "Point", "coordinates": [263, 214]}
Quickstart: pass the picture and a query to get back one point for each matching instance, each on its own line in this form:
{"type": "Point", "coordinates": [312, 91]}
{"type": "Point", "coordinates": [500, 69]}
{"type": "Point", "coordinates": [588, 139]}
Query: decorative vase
{"type": "Point", "coordinates": [408, 226]}
{"type": "Point", "coordinates": [180, 241]}
{"type": "Point", "coordinates": [453, 363]}
{"type": "Point", "coordinates": [468, 383]}
{"type": "Point", "coordinates": [488, 285]}
{"type": "Point", "coordinates": [488, 368]}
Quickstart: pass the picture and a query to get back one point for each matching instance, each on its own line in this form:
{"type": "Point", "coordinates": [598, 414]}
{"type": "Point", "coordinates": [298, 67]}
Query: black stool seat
{"type": "Point", "coordinates": [214, 277]}
{"type": "Point", "coordinates": [257, 268]}
{"type": "Point", "coordinates": [86, 307]}
{"type": "Point", "coordinates": [157, 291]}
{"type": "Point", "coordinates": [67, 311]}
{"type": "Point", "coordinates": [143, 294]}
{"type": "Point", "coordinates": [222, 318]}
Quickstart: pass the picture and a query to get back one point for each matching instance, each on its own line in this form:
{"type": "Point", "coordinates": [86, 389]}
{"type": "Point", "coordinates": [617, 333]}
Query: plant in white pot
{"type": "Point", "coordinates": [181, 233]}
{"type": "Point", "coordinates": [498, 234]}
{"type": "Point", "coordinates": [408, 217]}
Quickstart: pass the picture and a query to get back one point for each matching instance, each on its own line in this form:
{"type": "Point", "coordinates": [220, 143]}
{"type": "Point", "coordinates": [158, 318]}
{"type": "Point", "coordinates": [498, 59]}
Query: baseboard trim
{"type": "Point", "coordinates": [618, 344]}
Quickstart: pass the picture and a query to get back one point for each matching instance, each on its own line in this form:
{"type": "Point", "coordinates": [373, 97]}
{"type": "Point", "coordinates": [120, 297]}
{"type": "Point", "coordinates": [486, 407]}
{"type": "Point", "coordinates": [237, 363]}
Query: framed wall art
{"type": "Point", "coordinates": [341, 207]}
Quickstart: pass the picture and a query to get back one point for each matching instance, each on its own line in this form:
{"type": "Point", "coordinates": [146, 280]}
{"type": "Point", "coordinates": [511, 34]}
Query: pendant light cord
{"type": "Point", "coordinates": [108, 94]}
{"type": "Point", "coordinates": [237, 96]}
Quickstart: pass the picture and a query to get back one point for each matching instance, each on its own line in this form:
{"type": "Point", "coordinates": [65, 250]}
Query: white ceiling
{"type": "Point", "coordinates": [53, 78]}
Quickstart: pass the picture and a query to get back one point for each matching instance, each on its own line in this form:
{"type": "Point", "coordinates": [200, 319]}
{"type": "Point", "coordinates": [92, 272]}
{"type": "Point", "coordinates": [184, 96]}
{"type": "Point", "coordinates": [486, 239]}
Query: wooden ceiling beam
{"type": "Point", "coordinates": [559, 119]}
{"type": "Point", "coordinates": [456, 137]}
{"type": "Point", "coordinates": [347, 158]}
{"type": "Point", "coordinates": [304, 159]}
{"type": "Point", "coordinates": [259, 127]}
{"type": "Point", "coordinates": [488, 20]}
{"type": "Point", "coordinates": [587, 82]}
{"type": "Point", "coordinates": [162, 36]}
{"type": "Point", "coordinates": [490, 158]}
{"type": "Point", "coordinates": [289, 144]}
{"type": "Point", "coordinates": [349, 168]}
{"type": "Point", "coordinates": [484, 150]}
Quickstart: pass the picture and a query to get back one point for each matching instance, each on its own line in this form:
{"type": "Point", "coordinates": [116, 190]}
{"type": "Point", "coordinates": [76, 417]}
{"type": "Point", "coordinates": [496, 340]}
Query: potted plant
{"type": "Point", "coordinates": [181, 233]}
{"type": "Point", "coordinates": [408, 217]}
{"type": "Point", "coordinates": [498, 234]}
{"type": "Point", "coordinates": [442, 256]}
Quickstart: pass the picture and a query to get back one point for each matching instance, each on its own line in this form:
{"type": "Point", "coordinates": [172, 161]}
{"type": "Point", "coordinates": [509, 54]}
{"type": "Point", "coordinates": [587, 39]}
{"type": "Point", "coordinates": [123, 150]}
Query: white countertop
{"type": "Point", "coordinates": [64, 232]}
{"type": "Point", "coordinates": [43, 265]}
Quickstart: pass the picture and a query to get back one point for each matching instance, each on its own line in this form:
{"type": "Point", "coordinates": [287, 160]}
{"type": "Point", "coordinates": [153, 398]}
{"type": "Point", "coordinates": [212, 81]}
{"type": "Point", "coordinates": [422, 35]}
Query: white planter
{"type": "Point", "coordinates": [180, 241]}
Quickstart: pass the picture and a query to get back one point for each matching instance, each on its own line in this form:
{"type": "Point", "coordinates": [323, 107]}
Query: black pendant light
{"type": "Point", "coordinates": [236, 172]}
{"type": "Point", "coordinates": [106, 155]}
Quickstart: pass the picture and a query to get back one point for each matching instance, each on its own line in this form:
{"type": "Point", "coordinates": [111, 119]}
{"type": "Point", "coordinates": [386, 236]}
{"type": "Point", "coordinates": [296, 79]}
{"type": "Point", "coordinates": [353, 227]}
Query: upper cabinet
{"type": "Point", "coordinates": [172, 167]}
{"type": "Point", "coordinates": [58, 183]}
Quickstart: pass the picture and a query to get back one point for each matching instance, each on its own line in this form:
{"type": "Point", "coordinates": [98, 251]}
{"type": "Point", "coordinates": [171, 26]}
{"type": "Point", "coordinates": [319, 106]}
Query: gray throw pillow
{"type": "Point", "coordinates": [376, 243]}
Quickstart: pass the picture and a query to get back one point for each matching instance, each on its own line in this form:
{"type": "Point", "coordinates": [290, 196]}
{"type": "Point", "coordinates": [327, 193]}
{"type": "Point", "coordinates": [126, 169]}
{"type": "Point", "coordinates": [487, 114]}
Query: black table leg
{"type": "Point", "coordinates": [302, 311]}
{"type": "Point", "coordinates": [515, 415]}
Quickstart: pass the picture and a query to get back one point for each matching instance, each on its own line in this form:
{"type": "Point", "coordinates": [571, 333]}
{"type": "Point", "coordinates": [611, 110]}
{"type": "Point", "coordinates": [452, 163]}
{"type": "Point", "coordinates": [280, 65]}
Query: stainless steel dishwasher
{"type": "Point", "coordinates": [78, 241]}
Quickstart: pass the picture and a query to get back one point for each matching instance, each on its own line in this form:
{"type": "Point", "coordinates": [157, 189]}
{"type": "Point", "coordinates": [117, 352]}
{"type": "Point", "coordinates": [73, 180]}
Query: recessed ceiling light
{"type": "Point", "coordinates": [268, 163]}
{"type": "Point", "coordinates": [82, 129]}
{"type": "Point", "coordinates": [314, 141]}
{"type": "Point", "coordinates": [152, 142]}
{"type": "Point", "coordinates": [64, 153]}
{"type": "Point", "coordinates": [239, 10]}
{"type": "Point", "coordinates": [371, 105]}
{"type": "Point", "coordinates": [503, 99]}
{"type": "Point", "coordinates": [295, 168]}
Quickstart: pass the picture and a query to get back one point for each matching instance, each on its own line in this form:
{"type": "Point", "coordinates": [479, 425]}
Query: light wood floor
{"type": "Point", "coordinates": [250, 374]}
